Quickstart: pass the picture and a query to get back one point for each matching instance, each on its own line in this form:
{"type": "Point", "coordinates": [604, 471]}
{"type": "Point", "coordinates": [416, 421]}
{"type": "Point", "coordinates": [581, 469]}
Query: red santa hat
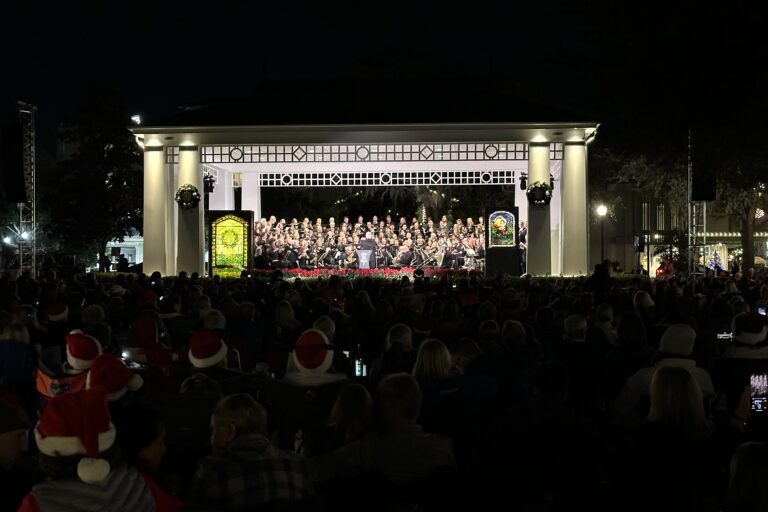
{"type": "Point", "coordinates": [311, 354]}
{"type": "Point", "coordinates": [111, 373]}
{"type": "Point", "coordinates": [147, 296]}
{"type": "Point", "coordinates": [749, 328]}
{"type": "Point", "coordinates": [206, 349]}
{"type": "Point", "coordinates": [81, 350]}
{"type": "Point", "coordinates": [57, 312]}
{"type": "Point", "coordinates": [78, 424]}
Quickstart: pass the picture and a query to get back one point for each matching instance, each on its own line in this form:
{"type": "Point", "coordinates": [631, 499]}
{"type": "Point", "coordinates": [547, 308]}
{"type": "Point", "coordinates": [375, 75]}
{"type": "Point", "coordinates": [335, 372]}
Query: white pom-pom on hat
{"type": "Point", "coordinates": [92, 471]}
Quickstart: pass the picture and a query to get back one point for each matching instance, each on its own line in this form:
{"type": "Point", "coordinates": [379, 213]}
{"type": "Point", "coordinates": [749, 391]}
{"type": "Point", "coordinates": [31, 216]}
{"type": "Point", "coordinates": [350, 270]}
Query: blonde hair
{"type": "Point", "coordinates": [284, 314]}
{"type": "Point", "coordinates": [676, 401]}
{"type": "Point", "coordinates": [15, 332]}
{"type": "Point", "coordinates": [352, 412]}
{"type": "Point", "coordinates": [433, 360]}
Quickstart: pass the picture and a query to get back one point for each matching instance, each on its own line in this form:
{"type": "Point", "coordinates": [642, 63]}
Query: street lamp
{"type": "Point", "coordinates": [601, 211]}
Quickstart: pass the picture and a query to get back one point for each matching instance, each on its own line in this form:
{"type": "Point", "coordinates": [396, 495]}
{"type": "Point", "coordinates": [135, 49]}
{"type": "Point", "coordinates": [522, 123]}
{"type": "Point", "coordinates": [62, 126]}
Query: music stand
{"type": "Point", "coordinates": [364, 259]}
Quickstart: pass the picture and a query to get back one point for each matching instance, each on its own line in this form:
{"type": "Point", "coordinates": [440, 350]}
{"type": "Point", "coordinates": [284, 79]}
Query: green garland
{"type": "Point", "coordinates": [539, 193]}
{"type": "Point", "coordinates": [187, 197]}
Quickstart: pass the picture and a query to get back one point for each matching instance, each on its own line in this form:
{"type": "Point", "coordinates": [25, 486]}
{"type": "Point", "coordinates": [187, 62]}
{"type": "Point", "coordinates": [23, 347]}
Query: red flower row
{"type": "Point", "coordinates": [360, 273]}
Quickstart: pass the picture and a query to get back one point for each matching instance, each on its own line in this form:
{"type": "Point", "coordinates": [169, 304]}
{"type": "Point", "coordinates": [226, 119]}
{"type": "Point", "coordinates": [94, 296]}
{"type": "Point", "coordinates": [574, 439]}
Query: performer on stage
{"type": "Point", "coordinates": [369, 244]}
{"type": "Point", "coordinates": [350, 258]}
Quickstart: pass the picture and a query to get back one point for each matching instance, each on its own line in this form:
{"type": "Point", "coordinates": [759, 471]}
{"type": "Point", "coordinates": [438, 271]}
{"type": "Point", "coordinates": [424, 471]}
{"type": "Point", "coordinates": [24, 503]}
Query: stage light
{"type": "Point", "coordinates": [523, 183]}
{"type": "Point", "coordinates": [136, 118]}
{"type": "Point", "coordinates": [25, 235]}
{"type": "Point", "coordinates": [7, 239]}
{"type": "Point", "coordinates": [602, 210]}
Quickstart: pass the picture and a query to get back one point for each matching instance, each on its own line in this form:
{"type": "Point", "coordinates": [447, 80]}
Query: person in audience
{"type": "Point", "coordinates": [179, 326]}
{"type": "Point", "coordinates": [245, 469]}
{"type": "Point", "coordinates": [81, 462]}
{"type": "Point", "coordinates": [630, 355]}
{"type": "Point", "coordinates": [673, 460]}
{"type": "Point", "coordinates": [398, 355]}
{"type": "Point", "coordinates": [111, 373]}
{"type": "Point", "coordinates": [747, 491]}
{"type": "Point", "coordinates": [402, 452]}
{"type": "Point", "coordinates": [18, 363]}
{"type": "Point", "coordinates": [15, 479]}
{"type": "Point", "coordinates": [675, 348]}
{"type": "Point", "coordinates": [141, 438]}
{"type": "Point", "coordinates": [208, 354]}
{"type": "Point", "coordinates": [463, 353]}
{"type": "Point", "coordinates": [350, 419]}
{"type": "Point", "coordinates": [312, 361]}
{"type": "Point", "coordinates": [95, 324]}
{"type": "Point", "coordinates": [202, 385]}
{"type": "Point", "coordinates": [81, 351]}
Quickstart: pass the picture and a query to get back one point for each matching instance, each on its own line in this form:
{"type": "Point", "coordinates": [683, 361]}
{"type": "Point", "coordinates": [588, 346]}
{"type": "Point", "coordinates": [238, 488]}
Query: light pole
{"type": "Point", "coordinates": [601, 211]}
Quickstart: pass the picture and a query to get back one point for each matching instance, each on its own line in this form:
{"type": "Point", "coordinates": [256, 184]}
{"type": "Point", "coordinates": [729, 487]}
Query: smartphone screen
{"type": "Point", "coordinates": [758, 394]}
{"type": "Point", "coordinates": [725, 336]}
{"type": "Point", "coordinates": [359, 368]}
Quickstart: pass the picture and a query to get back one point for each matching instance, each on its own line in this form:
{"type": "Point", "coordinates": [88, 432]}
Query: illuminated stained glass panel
{"type": "Point", "coordinates": [229, 254]}
{"type": "Point", "coordinates": [501, 229]}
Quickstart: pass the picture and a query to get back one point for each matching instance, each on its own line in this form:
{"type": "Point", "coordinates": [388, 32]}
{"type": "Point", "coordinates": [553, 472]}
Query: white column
{"type": "Point", "coordinates": [539, 242]}
{"type": "Point", "coordinates": [155, 192]}
{"type": "Point", "coordinates": [575, 210]}
{"type": "Point", "coordinates": [251, 194]}
{"type": "Point", "coordinates": [171, 227]}
{"type": "Point", "coordinates": [556, 221]}
{"type": "Point", "coordinates": [191, 239]}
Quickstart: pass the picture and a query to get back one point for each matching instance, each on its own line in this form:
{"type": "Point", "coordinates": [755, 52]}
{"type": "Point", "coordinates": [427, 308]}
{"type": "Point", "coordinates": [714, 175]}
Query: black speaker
{"type": "Point", "coordinates": [704, 186]}
{"type": "Point", "coordinates": [704, 178]}
{"type": "Point", "coordinates": [12, 164]}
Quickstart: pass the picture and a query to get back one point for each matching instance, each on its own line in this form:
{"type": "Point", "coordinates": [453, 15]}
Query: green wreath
{"type": "Point", "coordinates": [187, 197]}
{"type": "Point", "coordinates": [539, 193]}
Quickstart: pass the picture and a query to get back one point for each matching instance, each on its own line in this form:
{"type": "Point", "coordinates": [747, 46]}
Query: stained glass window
{"type": "Point", "coordinates": [229, 246]}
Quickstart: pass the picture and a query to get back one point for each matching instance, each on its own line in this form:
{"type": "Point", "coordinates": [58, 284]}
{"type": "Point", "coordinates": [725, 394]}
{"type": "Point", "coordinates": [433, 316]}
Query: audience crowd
{"type": "Point", "coordinates": [189, 393]}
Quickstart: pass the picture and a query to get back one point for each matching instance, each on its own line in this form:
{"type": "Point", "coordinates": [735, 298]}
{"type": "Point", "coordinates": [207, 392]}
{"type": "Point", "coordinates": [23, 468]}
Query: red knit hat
{"type": "Point", "coordinates": [78, 424]}
{"type": "Point", "coordinates": [111, 373]}
{"type": "Point", "coordinates": [147, 296]}
{"type": "Point", "coordinates": [57, 312]}
{"type": "Point", "coordinates": [749, 328]}
{"type": "Point", "coordinates": [311, 354]}
{"type": "Point", "coordinates": [81, 349]}
{"type": "Point", "coordinates": [206, 349]}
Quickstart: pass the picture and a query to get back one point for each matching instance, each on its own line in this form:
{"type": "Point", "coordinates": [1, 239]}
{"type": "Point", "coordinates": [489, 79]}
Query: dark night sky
{"type": "Point", "coordinates": [614, 64]}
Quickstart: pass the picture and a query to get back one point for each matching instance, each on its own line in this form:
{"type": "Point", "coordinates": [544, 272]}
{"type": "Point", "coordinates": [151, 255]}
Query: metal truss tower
{"type": "Point", "coordinates": [697, 221]}
{"type": "Point", "coordinates": [27, 221]}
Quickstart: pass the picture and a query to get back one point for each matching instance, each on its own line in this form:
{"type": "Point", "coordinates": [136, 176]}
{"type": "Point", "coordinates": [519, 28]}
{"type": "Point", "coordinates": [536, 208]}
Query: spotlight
{"type": "Point", "coordinates": [523, 183]}
{"type": "Point", "coordinates": [7, 240]}
{"type": "Point", "coordinates": [25, 235]}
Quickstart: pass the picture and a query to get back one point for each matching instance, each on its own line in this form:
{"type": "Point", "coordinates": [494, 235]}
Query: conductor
{"type": "Point", "coordinates": [369, 244]}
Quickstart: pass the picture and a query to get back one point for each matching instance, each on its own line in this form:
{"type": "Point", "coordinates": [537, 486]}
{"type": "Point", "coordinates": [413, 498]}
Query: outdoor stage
{"type": "Point", "coordinates": [543, 163]}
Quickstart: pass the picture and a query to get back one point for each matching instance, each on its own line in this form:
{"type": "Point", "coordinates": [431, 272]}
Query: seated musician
{"type": "Point", "coordinates": [350, 257]}
{"type": "Point", "coordinates": [404, 256]}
